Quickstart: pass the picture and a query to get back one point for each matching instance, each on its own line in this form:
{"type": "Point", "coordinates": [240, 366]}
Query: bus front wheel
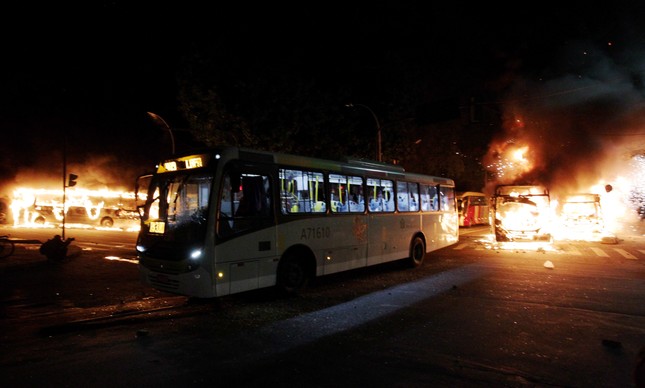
{"type": "Point", "coordinates": [292, 275]}
{"type": "Point", "coordinates": [417, 252]}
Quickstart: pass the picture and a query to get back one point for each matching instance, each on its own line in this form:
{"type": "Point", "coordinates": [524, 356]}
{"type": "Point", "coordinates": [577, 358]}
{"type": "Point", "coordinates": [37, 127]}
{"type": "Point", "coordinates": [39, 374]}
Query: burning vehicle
{"type": "Point", "coordinates": [106, 217]}
{"type": "Point", "coordinates": [580, 215]}
{"type": "Point", "coordinates": [521, 213]}
{"type": "Point", "coordinates": [85, 208]}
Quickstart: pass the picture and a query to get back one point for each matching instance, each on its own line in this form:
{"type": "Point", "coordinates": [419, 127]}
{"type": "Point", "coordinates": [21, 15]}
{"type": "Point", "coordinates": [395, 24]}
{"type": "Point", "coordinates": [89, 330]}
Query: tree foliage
{"type": "Point", "coordinates": [280, 102]}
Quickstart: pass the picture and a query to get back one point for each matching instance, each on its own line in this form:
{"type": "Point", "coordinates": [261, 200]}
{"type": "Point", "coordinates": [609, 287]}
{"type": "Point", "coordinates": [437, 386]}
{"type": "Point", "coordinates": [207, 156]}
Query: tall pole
{"type": "Point", "coordinates": [64, 182]}
{"type": "Point", "coordinates": [160, 120]}
{"type": "Point", "coordinates": [379, 154]}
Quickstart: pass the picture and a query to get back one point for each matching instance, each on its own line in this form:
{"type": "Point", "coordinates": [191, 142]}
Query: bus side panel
{"type": "Point", "coordinates": [477, 215]}
{"type": "Point", "coordinates": [390, 236]}
{"type": "Point", "coordinates": [480, 215]}
{"type": "Point", "coordinates": [348, 248]}
{"type": "Point", "coordinates": [378, 234]}
{"type": "Point", "coordinates": [338, 242]}
{"type": "Point", "coordinates": [405, 225]}
{"type": "Point", "coordinates": [470, 218]}
{"type": "Point", "coordinates": [441, 229]}
{"type": "Point", "coordinates": [246, 262]}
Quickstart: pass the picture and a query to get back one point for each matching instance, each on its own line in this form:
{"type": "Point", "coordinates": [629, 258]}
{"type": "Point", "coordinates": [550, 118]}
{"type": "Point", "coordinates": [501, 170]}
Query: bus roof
{"type": "Point", "coordinates": [346, 166]}
{"type": "Point", "coordinates": [512, 190]}
{"type": "Point", "coordinates": [470, 194]}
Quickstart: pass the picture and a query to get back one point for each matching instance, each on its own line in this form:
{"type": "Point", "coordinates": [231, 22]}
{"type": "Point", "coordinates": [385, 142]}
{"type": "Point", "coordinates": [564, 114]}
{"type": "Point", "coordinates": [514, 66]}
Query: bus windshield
{"type": "Point", "coordinates": [178, 206]}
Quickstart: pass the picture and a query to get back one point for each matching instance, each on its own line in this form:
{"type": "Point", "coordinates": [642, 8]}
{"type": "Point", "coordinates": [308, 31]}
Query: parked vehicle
{"type": "Point", "coordinates": [473, 208]}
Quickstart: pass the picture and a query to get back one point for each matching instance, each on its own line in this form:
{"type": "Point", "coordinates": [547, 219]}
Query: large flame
{"type": "Point", "coordinates": [46, 207]}
{"type": "Point", "coordinates": [510, 161]}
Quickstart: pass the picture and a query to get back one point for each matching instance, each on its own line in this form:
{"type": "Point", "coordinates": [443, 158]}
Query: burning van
{"type": "Point", "coordinates": [521, 213]}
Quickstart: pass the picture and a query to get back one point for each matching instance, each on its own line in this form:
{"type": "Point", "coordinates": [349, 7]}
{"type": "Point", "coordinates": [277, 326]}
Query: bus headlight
{"type": "Point", "coordinates": [196, 254]}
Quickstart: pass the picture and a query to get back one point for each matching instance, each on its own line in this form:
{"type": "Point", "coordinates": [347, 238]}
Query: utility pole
{"type": "Point", "coordinates": [68, 181]}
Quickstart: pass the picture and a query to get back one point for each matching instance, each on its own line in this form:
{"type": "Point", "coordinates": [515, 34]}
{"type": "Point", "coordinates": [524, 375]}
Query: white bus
{"type": "Point", "coordinates": [233, 220]}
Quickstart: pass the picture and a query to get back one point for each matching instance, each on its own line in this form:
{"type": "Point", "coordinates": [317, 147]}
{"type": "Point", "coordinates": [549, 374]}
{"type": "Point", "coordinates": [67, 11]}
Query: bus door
{"type": "Point", "coordinates": [245, 230]}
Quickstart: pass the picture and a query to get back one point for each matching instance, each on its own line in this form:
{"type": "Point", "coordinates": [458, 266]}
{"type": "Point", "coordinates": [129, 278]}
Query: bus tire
{"type": "Point", "coordinates": [107, 222]}
{"type": "Point", "coordinates": [292, 274]}
{"type": "Point", "coordinates": [417, 252]}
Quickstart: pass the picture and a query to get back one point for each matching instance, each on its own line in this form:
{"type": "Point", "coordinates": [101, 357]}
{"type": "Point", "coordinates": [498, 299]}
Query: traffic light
{"type": "Point", "coordinates": [71, 181]}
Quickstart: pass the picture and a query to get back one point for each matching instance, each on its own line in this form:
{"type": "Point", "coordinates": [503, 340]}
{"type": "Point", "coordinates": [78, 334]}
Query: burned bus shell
{"type": "Point", "coordinates": [521, 213]}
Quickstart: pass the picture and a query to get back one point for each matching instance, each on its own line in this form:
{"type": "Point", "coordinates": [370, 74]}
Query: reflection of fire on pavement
{"type": "Point", "coordinates": [81, 207]}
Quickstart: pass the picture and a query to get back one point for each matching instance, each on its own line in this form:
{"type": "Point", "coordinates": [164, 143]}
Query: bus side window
{"type": "Point", "coordinates": [425, 198]}
{"type": "Point", "coordinates": [356, 199]}
{"type": "Point", "coordinates": [373, 195]}
{"type": "Point", "coordinates": [388, 195]}
{"type": "Point", "coordinates": [413, 189]}
{"type": "Point", "coordinates": [380, 195]}
{"type": "Point", "coordinates": [302, 191]}
{"type": "Point", "coordinates": [402, 196]}
{"type": "Point", "coordinates": [447, 195]}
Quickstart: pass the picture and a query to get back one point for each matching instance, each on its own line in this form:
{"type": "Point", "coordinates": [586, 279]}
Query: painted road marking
{"type": "Point", "coordinates": [626, 254]}
{"type": "Point", "coordinates": [574, 251]}
{"type": "Point", "coordinates": [599, 252]}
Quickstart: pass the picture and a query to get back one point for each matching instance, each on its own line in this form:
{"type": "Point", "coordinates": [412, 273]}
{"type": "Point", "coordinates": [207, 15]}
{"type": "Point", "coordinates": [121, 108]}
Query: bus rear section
{"type": "Point", "coordinates": [473, 208]}
{"type": "Point", "coordinates": [521, 213]}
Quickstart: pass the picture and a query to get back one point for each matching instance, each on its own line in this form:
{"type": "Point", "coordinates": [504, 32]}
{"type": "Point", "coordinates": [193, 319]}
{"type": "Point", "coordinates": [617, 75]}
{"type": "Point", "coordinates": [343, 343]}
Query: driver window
{"type": "Point", "coordinates": [245, 202]}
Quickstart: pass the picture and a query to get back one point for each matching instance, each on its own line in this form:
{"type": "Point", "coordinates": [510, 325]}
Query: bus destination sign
{"type": "Point", "coordinates": [185, 163]}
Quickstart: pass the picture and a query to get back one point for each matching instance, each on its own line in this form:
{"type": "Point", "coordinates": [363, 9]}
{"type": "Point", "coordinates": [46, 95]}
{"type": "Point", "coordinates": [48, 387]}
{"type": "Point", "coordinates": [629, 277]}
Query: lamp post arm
{"type": "Point", "coordinates": [159, 119]}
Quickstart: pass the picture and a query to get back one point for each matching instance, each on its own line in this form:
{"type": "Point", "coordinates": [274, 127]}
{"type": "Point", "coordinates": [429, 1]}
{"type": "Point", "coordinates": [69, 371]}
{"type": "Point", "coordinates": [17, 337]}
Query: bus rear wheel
{"type": "Point", "coordinates": [292, 275]}
{"type": "Point", "coordinates": [107, 222]}
{"type": "Point", "coordinates": [417, 252]}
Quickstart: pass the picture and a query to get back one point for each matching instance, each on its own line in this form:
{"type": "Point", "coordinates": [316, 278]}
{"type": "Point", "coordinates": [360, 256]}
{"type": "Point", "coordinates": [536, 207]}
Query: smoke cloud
{"type": "Point", "coordinates": [583, 120]}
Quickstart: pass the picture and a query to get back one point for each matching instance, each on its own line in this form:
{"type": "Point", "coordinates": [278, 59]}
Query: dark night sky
{"type": "Point", "coordinates": [92, 71]}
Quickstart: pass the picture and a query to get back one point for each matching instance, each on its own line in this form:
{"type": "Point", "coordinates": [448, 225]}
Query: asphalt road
{"type": "Point", "coordinates": [473, 315]}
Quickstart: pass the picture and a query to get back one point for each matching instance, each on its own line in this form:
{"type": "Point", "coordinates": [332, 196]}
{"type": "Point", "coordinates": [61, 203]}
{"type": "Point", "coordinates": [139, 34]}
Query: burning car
{"type": "Point", "coordinates": [521, 213]}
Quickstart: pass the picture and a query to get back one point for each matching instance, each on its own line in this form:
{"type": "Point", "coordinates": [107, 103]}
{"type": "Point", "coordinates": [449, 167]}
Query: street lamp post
{"type": "Point", "coordinates": [159, 120]}
{"type": "Point", "coordinates": [378, 128]}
